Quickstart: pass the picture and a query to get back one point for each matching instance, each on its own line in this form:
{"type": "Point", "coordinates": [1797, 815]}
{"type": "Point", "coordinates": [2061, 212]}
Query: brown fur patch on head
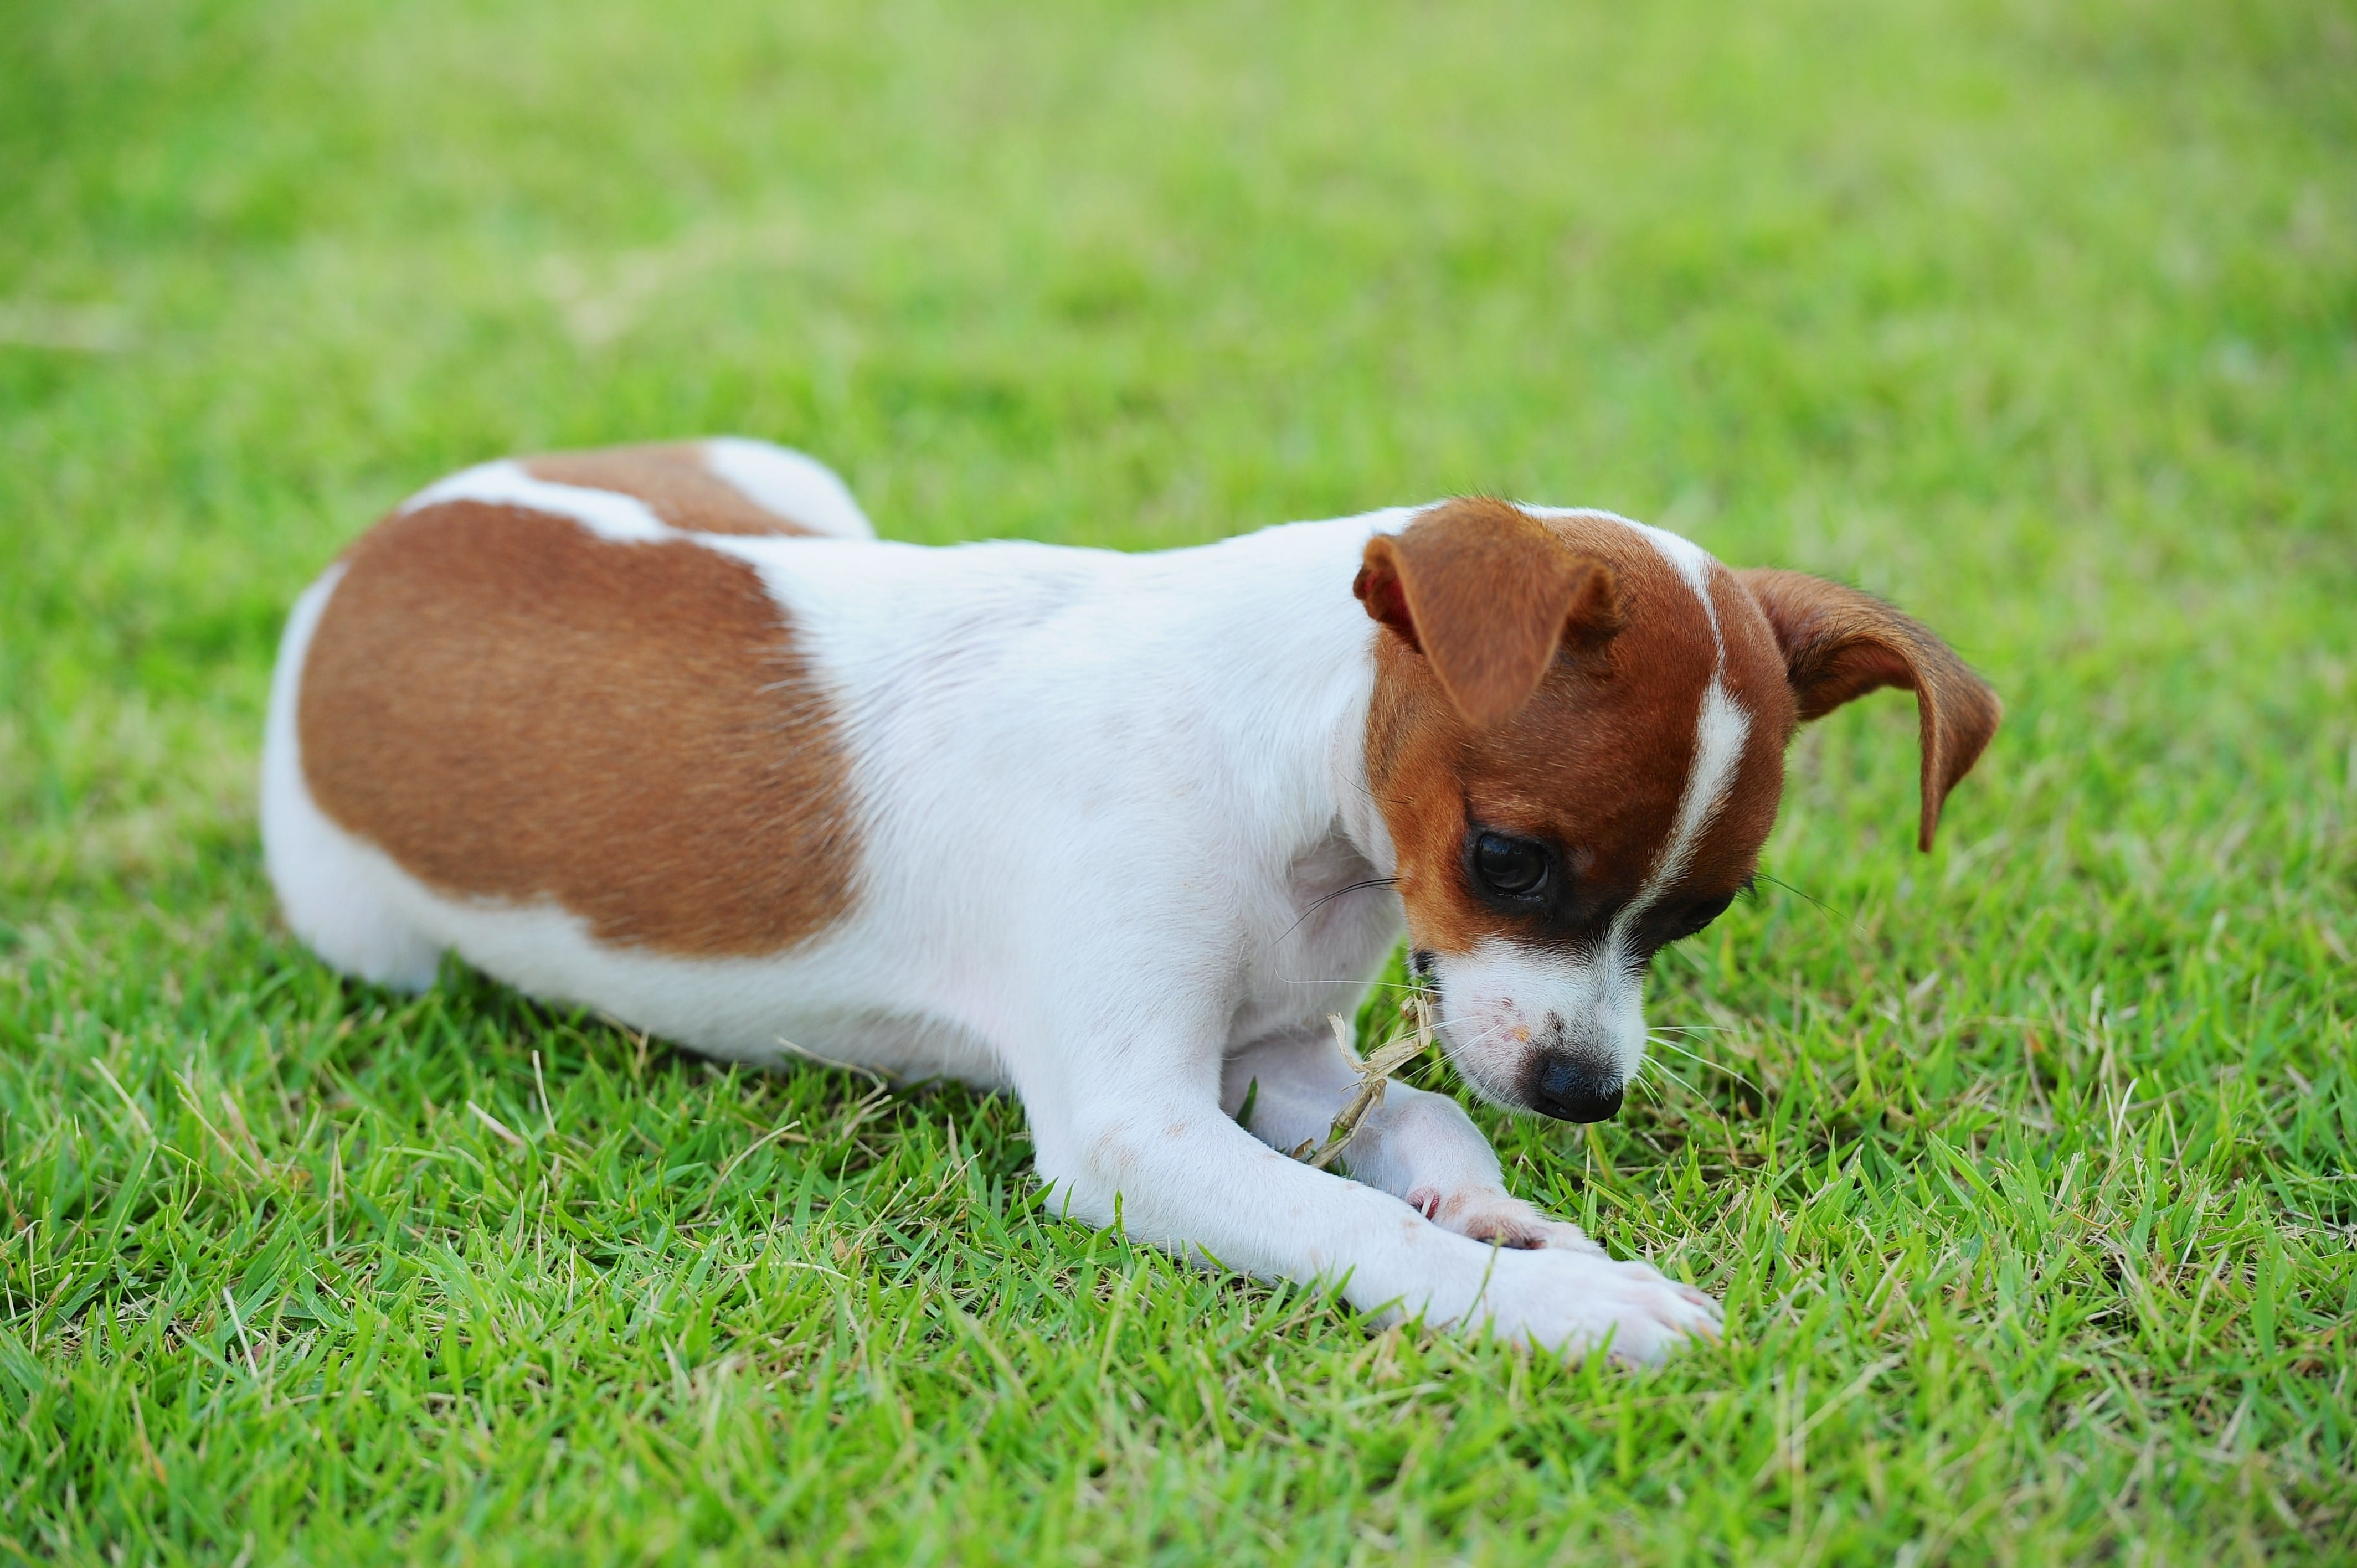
{"type": "Point", "coordinates": [1594, 763]}
{"type": "Point", "coordinates": [1838, 644]}
{"type": "Point", "coordinates": [513, 708]}
{"type": "Point", "coordinates": [671, 479]}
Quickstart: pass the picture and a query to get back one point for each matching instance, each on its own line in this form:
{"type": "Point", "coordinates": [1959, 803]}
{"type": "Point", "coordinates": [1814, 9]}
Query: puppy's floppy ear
{"type": "Point", "coordinates": [1487, 594]}
{"type": "Point", "coordinates": [1839, 643]}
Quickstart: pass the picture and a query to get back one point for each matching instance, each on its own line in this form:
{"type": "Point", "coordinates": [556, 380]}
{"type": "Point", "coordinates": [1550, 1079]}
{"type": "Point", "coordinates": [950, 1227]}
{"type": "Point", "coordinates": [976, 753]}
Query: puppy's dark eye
{"type": "Point", "coordinates": [1694, 917]}
{"type": "Point", "coordinates": [1510, 866]}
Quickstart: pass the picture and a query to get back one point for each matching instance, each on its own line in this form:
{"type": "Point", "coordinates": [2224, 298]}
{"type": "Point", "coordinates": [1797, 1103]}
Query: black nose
{"type": "Point", "coordinates": [1571, 1090]}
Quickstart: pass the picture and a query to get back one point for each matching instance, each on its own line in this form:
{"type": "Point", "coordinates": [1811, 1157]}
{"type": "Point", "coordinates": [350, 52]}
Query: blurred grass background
{"type": "Point", "coordinates": [2025, 1168]}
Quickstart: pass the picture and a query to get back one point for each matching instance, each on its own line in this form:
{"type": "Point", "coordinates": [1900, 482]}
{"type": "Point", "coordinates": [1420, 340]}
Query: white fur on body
{"type": "Point", "coordinates": [1104, 798]}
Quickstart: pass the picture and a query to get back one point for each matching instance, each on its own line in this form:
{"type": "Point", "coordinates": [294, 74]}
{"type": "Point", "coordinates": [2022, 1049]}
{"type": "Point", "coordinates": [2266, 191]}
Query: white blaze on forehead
{"type": "Point", "coordinates": [1693, 563]}
{"type": "Point", "coordinates": [1720, 729]}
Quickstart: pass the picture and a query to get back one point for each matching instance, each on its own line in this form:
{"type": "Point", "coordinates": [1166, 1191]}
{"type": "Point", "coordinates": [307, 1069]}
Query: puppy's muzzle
{"type": "Point", "coordinates": [1572, 1089]}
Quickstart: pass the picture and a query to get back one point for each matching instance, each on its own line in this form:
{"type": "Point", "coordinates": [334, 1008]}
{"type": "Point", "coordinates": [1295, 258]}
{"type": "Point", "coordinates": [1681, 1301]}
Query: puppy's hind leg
{"type": "Point", "coordinates": [793, 485]}
{"type": "Point", "coordinates": [335, 890]}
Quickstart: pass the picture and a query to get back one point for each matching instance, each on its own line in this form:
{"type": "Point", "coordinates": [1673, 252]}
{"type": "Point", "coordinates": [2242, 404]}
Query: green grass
{"type": "Point", "coordinates": [2028, 1170]}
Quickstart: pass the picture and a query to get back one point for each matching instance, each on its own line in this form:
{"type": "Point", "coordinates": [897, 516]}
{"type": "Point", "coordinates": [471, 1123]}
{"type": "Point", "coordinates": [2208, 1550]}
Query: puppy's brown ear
{"type": "Point", "coordinates": [1839, 643]}
{"type": "Point", "coordinates": [1487, 594]}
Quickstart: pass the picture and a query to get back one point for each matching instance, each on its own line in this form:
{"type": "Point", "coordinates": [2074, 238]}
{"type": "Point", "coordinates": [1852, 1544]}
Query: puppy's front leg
{"type": "Point", "coordinates": [1183, 1175]}
{"type": "Point", "coordinates": [1419, 1146]}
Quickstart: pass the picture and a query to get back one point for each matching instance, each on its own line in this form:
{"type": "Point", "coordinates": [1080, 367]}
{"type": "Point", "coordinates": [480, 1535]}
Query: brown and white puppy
{"type": "Point", "coordinates": [667, 731]}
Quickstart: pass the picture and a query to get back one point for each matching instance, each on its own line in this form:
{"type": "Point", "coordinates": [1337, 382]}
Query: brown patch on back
{"type": "Point", "coordinates": [513, 708]}
{"type": "Point", "coordinates": [670, 478]}
{"type": "Point", "coordinates": [1595, 761]}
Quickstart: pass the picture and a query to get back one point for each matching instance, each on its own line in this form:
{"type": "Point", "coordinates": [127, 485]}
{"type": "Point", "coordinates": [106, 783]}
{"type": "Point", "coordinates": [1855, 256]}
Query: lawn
{"type": "Point", "coordinates": [2027, 1169]}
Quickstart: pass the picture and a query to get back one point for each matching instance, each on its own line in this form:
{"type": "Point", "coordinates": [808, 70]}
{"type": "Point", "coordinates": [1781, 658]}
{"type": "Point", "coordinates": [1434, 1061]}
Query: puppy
{"type": "Point", "coordinates": [666, 731]}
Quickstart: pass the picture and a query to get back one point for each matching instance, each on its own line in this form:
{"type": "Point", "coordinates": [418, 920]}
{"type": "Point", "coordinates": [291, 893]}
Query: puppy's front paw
{"type": "Point", "coordinates": [1490, 1215]}
{"type": "Point", "coordinates": [1574, 1302]}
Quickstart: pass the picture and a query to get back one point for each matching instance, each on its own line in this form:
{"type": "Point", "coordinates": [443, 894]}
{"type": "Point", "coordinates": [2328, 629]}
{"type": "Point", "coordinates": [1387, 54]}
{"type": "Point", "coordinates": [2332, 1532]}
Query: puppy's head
{"type": "Point", "coordinates": [1577, 741]}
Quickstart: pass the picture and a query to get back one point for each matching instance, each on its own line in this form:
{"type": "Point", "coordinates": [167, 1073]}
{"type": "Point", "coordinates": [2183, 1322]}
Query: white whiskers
{"type": "Point", "coordinates": [1706, 1061]}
